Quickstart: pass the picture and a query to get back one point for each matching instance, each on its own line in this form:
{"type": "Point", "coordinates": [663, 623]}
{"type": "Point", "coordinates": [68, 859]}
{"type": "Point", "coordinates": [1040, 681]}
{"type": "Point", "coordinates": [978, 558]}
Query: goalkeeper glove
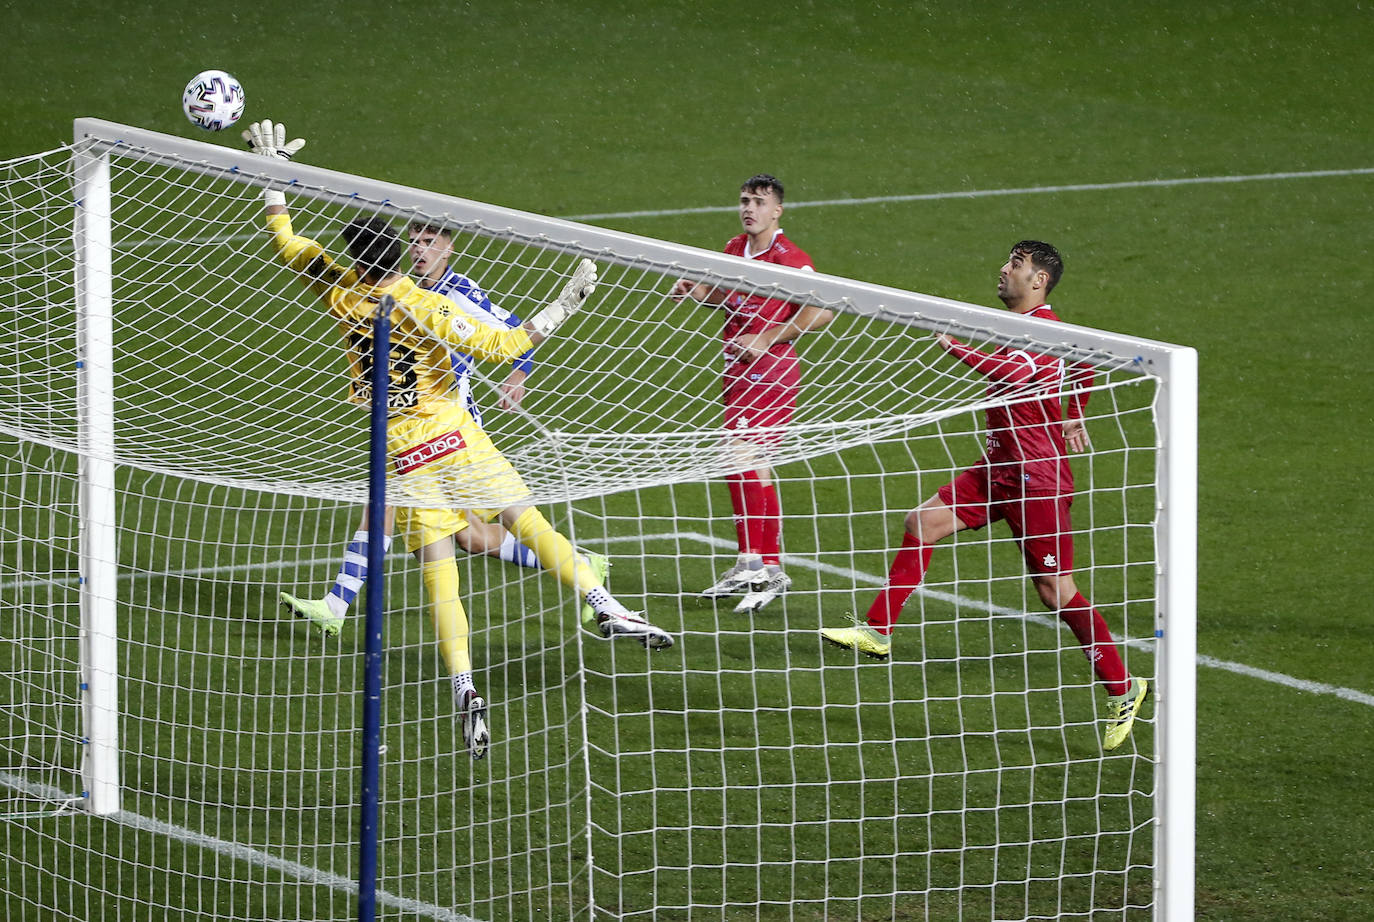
{"type": "Point", "coordinates": [575, 293]}
{"type": "Point", "coordinates": [269, 140]}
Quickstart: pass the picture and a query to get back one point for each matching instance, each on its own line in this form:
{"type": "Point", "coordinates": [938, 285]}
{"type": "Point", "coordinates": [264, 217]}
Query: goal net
{"type": "Point", "coordinates": [176, 450]}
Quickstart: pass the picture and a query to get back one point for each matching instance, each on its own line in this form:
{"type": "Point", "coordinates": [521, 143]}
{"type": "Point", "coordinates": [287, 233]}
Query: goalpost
{"type": "Point", "coordinates": [175, 451]}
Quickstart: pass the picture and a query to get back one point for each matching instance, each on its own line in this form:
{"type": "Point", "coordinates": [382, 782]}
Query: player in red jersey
{"type": "Point", "coordinates": [1024, 478]}
{"type": "Point", "coordinates": [762, 376]}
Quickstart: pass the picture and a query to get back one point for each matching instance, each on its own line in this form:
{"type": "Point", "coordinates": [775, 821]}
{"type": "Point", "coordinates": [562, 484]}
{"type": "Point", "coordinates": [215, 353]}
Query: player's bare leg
{"type": "Point", "coordinates": [492, 540]}
{"type": "Point", "coordinates": [933, 521]}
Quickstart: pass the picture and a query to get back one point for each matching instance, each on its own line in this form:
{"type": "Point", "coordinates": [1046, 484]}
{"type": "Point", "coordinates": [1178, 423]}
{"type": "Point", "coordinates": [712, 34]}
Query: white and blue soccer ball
{"type": "Point", "coordinates": [213, 100]}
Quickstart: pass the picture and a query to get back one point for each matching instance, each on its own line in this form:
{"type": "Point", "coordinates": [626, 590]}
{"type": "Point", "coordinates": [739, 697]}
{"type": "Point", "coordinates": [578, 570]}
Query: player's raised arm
{"type": "Point", "coordinates": [494, 343]}
{"type": "Point", "coordinates": [702, 293]}
{"type": "Point", "coordinates": [457, 331]}
{"type": "Point", "coordinates": [268, 139]}
{"type": "Point", "coordinates": [306, 256]}
{"type": "Point", "coordinates": [1015, 367]}
{"type": "Point", "coordinates": [575, 293]}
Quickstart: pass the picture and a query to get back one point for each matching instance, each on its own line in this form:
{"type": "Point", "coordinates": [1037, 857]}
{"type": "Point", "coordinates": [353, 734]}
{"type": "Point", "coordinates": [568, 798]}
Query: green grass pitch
{"type": "Point", "coordinates": [608, 107]}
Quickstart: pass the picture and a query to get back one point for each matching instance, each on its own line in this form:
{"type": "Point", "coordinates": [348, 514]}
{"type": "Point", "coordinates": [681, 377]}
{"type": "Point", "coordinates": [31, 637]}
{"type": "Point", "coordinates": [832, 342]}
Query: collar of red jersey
{"type": "Point", "coordinates": [774, 239]}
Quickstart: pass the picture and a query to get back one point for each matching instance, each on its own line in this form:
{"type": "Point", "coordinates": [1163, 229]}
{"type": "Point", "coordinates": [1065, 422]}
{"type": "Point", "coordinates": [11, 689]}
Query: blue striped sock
{"type": "Point", "coordinates": [352, 573]}
{"type": "Point", "coordinates": [513, 551]}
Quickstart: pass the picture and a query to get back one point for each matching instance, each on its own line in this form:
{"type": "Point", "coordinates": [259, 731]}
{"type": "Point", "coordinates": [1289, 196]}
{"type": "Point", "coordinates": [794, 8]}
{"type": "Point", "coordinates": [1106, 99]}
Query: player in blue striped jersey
{"type": "Point", "coordinates": [431, 248]}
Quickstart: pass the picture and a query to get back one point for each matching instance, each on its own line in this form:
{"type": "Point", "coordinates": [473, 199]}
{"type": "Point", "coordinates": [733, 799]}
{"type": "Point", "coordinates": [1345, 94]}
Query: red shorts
{"type": "Point", "coordinates": [760, 411]}
{"type": "Point", "coordinates": [1039, 521]}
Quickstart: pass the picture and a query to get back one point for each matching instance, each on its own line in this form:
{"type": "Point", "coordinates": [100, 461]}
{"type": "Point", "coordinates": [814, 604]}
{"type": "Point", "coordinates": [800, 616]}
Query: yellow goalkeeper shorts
{"type": "Point", "coordinates": [449, 471]}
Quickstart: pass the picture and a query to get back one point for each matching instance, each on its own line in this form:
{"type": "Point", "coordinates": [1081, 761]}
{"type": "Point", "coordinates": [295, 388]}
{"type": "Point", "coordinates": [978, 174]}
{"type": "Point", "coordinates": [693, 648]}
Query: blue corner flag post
{"type": "Point", "coordinates": [376, 607]}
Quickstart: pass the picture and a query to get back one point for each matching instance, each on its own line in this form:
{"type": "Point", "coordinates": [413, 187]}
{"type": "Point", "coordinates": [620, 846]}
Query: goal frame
{"type": "Point", "coordinates": [1175, 367]}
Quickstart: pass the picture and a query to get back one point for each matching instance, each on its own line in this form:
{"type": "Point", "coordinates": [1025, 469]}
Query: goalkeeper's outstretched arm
{"type": "Point", "coordinates": [268, 139]}
{"type": "Point", "coordinates": [306, 256]}
{"type": "Point", "coordinates": [499, 343]}
{"type": "Point", "coordinates": [317, 268]}
{"type": "Point", "coordinates": [575, 293]}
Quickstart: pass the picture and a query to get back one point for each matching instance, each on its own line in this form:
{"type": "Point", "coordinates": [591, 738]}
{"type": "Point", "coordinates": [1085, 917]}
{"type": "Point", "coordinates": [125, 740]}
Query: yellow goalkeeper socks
{"type": "Point", "coordinates": [446, 610]}
{"type": "Point", "coordinates": [554, 551]}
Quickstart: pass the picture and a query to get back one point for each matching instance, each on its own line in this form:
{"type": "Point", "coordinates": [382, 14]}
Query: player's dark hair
{"type": "Point", "coordinates": [426, 227]}
{"type": "Point", "coordinates": [375, 247]}
{"type": "Point", "coordinates": [1043, 257]}
{"type": "Point", "coordinates": [762, 182]}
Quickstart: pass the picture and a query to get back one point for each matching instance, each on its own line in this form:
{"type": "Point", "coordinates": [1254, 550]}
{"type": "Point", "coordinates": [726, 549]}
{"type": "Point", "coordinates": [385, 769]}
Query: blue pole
{"type": "Point", "coordinates": [376, 597]}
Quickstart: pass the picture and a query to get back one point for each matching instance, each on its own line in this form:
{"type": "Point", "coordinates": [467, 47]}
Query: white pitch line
{"type": "Point", "coordinates": [240, 852]}
{"type": "Point", "coordinates": [990, 193]}
{"type": "Point", "coordinates": [1049, 621]}
{"type": "Point", "coordinates": [144, 243]}
{"type": "Point", "coordinates": [1279, 678]}
{"type": "Point", "coordinates": [1265, 675]}
{"type": "Point", "coordinates": [127, 575]}
{"type": "Point", "coordinates": [857, 576]}
{"type": "Point", "coordinates": [322, 878]}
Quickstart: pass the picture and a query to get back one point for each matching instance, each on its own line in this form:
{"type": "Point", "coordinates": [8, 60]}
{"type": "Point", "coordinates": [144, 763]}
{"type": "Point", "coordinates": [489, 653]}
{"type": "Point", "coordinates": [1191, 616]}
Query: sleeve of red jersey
{"type": "Point", "coordinates": [1014, 367]}
{"type": "Point", "coordinates": [798, 259]}
{"type": "Point", "coordinates": [1080, 377]}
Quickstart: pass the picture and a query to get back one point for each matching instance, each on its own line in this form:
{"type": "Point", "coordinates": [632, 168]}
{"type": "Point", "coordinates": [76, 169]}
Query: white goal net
{"type": "Point", "coordinates": [175, 450]}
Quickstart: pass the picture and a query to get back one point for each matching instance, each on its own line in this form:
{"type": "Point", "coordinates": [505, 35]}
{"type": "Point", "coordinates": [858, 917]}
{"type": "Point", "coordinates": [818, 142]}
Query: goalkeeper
{"type": "Point", "coordinates": [440, 454]}
{"type": "Point", "coordinates": [431, 248]}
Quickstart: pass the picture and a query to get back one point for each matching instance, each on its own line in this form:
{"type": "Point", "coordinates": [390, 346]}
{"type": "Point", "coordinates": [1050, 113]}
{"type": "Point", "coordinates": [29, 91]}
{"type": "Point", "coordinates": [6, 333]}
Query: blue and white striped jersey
{"type": "Point", "coordinates": [477, 305]}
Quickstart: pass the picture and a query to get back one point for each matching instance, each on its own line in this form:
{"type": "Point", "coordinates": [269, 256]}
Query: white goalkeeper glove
{"type": "Point", "coordinates": [268, 139]}
{"type": "Point", "coordinates": [575, 293]}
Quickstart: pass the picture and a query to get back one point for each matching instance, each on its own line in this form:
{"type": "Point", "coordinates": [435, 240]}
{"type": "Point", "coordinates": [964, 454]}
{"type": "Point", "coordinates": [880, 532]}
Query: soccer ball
{"type": "Point", "coordinates": [213, 100]}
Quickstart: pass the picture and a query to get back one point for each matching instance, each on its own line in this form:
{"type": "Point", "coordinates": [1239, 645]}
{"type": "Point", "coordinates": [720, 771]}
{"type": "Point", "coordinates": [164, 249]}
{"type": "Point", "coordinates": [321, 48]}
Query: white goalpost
{"type": "Point", "coordinates": [176, 450]}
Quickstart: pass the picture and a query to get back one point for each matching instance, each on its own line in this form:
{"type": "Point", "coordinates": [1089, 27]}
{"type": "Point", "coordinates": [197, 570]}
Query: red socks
{"type": "Point", "coordinates": [771, 517]}
{"type": "Point", "coordinates": [1098, 646]}
{"type": "Point", "coordinates": [908, 569]}
{"type": "Point", "coordinates": [748, 538]}
{"type": "Point", "coordinates": [758, 516]}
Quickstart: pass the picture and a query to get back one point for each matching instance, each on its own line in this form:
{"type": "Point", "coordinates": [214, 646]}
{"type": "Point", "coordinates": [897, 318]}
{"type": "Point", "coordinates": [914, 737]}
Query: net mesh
{"type": "Point", "coordinates": [748, 772]}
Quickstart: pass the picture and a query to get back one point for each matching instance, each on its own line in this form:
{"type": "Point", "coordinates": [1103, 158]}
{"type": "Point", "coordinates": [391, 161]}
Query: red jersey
{"type": "Point", "coordinates": [756, 313]}
{"type": "Point", "coordinates": [1026, 449]}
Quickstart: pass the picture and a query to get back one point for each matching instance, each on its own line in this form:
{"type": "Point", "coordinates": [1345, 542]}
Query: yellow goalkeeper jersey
{"type": "Point", "coordinates": [425, 326]}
